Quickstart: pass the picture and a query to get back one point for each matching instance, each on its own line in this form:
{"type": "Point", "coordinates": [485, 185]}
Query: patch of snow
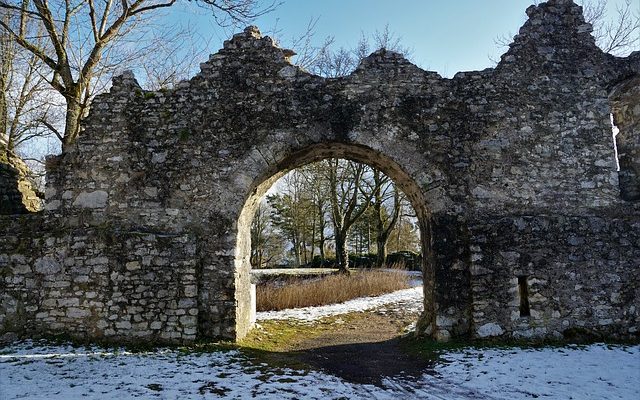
{"type": "Point", "coordinates": [408, 299]}
{"type": "Point", "coordinates": [597, 371]}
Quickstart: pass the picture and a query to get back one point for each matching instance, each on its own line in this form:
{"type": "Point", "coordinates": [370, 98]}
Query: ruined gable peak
{"type": "Point", "coordinates": [383, 60]}
{"type": "Point", "coordinates": [125, 82]}
{"type": "Point", "coordinates": [555, 35]}
{"type": "Point", "coordinates": [251, 39]}
{"type": "Point", "coordinates": [556, 19]}
{"type": "Point", "coordinates": [384, 56]}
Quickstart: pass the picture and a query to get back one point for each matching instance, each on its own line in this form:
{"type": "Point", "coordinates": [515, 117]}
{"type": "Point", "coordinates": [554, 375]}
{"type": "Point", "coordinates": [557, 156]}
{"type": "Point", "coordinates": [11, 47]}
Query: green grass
{"type": "Point", "coordinates": [278, 335]}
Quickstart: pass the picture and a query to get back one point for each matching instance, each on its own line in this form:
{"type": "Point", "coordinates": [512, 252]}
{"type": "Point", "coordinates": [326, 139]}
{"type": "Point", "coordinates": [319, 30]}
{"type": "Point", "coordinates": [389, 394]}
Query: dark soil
{"type": "Point", "coordinates": [365, 350]}
{"type": "Point", "coordinates": [366, 363]}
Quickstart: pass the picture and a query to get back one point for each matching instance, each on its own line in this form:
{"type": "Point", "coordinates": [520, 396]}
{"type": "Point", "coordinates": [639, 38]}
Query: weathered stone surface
{"type": "Point", "coordinates": [18, 193]}
{"type": "Point", "coordinates": [489, 330]}
{"type": "Point", "coordinates": [97, 199]}
{"type": "Point", "coordinates": [47, 266]}
{"type": "Point", "coordinates": [626, 115]}
{"type": "Point", "coordinates": [511, 172]}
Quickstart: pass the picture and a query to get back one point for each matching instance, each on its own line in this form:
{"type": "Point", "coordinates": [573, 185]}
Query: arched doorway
{"type": "Point", "coordinates": [310, 154]}
{"type": "Point", "coordinates": [625, 110]}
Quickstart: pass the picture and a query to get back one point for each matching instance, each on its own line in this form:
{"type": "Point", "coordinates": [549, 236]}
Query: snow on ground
{"type": "Point", "coordinates": [571, 372]}
{"type": "Point", "coordinates": [409, 299]}
{"type": "Point", "coordinates": [39, 371]}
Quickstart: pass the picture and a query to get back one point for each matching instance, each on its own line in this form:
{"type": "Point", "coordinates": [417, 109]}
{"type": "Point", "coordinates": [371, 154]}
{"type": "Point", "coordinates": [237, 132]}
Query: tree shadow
{"type": "Point", "coordinates": [360, 363]}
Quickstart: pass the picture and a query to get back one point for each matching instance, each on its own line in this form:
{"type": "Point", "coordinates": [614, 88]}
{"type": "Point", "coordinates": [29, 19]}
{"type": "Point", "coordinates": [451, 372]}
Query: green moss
{"type": "Point", "coordinates": [5, 271]}
{"type": "Point", "coordinates": [15, 322]}
{"type": "Point", "coordinates": [184, 134]}
{"type": "Point", "coordinates": [165, 115]}
{"type": "Point", "coordinates": [279, 335]}
{"type": "Point", "coordinates": [142, 346]}
{"type": "Point", "coordinates": [149, 95]}
{"type": "Point", "coordinates": [105, 231]}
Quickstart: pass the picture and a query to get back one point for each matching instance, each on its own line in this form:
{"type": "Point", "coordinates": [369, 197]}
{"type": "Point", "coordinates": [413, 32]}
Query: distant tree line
{"type": "Point", "coordinates": [328, 209]}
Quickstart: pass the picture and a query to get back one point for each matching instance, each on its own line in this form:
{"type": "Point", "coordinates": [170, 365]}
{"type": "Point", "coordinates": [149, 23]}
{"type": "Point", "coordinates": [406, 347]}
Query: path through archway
{"type": "Point", "coordinates": [358, 153]}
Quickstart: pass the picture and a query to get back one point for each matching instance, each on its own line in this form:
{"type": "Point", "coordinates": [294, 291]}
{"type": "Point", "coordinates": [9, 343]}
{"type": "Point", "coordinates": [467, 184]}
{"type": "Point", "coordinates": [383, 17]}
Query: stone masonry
{"type": "Point", "coordinates": [18, 194]}
{"type": "Point", "coordinates": [528, 229]}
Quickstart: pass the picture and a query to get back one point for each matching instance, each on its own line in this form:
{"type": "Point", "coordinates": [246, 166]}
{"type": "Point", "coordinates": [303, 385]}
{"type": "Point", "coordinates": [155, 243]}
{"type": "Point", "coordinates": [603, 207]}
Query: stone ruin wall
{"type": "Point", "coordinates": [18, 193]}
{"type": "Point", "coordinates": [511, 170]}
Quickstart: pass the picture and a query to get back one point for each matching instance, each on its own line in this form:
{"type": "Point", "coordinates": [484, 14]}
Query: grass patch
{"type": "Point", "coordinates": [281, 335]}
{"type": "Point", "coordinates": [273, 344]}
{"type": "Point", "coordinates": [300, 292]}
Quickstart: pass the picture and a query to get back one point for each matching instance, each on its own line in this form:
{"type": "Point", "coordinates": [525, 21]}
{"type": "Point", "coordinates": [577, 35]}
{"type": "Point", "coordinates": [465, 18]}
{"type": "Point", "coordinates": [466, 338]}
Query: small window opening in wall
{"type": "Point", "coordinates": [523, 289]}
{"type": "Point", "coordinates": [615, 131]}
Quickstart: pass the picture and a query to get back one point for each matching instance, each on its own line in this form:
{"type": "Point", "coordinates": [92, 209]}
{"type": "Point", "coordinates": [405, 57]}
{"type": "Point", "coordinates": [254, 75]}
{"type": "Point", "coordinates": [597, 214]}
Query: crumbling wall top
{"type": "Point", "coordinates": [18, 193]}
{"type": "Point", "coordinates": [555, 35]}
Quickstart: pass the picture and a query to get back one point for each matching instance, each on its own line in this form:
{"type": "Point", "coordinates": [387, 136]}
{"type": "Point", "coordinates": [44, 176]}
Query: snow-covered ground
{"type": "Point", "coordinates": [39, 371]}
{"type": "Point", "coordinates": [36, 370]}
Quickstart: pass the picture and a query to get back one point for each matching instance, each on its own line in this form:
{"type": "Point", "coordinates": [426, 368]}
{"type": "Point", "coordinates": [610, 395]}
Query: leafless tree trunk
{"type": "Point", "coordinates": [348, 201]}
{"type": "Point", "coordinates": [27, 103]}
{"type": "Point", "coordinates": [384, 226]}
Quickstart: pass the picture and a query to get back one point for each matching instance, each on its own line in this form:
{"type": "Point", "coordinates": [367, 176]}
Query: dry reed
{"type": "Point", "coordinates": [297, 292]}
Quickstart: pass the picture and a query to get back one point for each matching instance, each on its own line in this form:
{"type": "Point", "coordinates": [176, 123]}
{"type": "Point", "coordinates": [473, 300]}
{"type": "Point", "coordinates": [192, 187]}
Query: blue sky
{"type": "Point", "coordinates": [446, 36]}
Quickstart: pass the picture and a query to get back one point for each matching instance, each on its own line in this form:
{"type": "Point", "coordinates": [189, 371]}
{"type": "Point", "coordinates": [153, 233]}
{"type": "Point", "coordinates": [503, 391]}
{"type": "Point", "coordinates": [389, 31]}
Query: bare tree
{"type": "Point", "coordinates": [291, 211]}
{"type": "Point", "coordinates": [349, 199]}
{"type": "Point", "coordinates": [406, 234]}
{"type": "Point", "coordinates": [267, 247]}
{"type": "Point", "coordinates": [85, 36]}
{"type": "Point", "coordinates": [316, 187]}
{"type": "Point", "coordinates": [346, 202]}
{"type": "Point", "coordinates": [27, 103]}
{"type": "Point", "coordinates": [341, 62]}
{"type": "Point", "coordinates": [619, 35]}
{"type": "Point", "coordinates": [384, 192]}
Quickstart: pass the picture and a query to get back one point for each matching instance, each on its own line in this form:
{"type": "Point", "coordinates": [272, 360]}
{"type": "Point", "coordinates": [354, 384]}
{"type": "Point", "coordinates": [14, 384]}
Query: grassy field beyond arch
{"type": "Point", "coordinates": [300, 292]}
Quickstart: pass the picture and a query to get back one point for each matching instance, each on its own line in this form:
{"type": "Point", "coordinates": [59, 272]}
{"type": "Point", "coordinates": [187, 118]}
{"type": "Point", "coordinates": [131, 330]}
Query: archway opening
{"type": "Point", "coordinates": [389, 169]}
{"type": "Point", "coordinates": [625, 121]}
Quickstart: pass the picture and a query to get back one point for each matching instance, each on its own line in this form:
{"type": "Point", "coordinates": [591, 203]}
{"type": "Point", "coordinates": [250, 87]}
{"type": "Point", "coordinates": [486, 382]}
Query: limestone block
{"type": "Point", "coordinates": [96, 199]}
{"type": "Point", "coordinates": [47, 266]}
{"type": "Point", "coordinates": [489, 330]}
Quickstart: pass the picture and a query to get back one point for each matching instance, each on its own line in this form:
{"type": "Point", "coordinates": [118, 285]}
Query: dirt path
{"type": "Point", "coordinates": [363, 351]}
{"type": "Point", "coordinates": [358, 347]}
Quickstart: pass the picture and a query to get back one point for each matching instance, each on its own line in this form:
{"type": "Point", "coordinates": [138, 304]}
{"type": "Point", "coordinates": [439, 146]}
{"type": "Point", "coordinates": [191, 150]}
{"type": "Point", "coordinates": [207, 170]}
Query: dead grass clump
{"type": "Point", "coordinates": [332, 289]}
